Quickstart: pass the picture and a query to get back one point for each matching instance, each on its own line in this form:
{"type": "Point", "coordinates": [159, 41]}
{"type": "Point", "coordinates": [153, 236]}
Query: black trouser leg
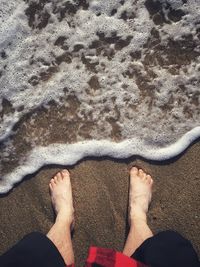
{"type": "Point", "coordinates": [167, 249]}
{"type": "Point", "coordinates": [34, 250]}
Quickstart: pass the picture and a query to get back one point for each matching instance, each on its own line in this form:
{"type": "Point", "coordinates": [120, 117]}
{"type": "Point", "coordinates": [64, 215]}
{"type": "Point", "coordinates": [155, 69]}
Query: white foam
{"type": "Point", "coordinates": [153, 107]}
{"type": "Point", "coordinates": [64, 154]}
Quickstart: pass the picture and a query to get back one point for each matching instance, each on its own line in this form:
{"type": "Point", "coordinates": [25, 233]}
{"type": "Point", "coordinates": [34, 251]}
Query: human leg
{"type": "Point", "coordinates": [167, 248]}
{"type": "Point", "coordinates": [55, 248]}
{"type": "Point", "coordinates": [34, 250]}
{"type": "Point", "coordinates": [60, 233]}
{"type": "Point", "coordinates": [139, 198]}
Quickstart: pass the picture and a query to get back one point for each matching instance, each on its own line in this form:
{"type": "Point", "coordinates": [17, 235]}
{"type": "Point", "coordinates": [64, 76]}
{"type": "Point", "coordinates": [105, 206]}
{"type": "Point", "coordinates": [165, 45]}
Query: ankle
{"type": "Point", "coordinates": [137, 221]}
{"type": "Point", "coordinates": [64, 220]}
{"type": "Point", "coordinates": [137, 216]}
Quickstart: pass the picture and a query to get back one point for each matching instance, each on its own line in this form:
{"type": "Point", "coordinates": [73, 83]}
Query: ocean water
{"type": "Point", "coordinates": [92, 78]}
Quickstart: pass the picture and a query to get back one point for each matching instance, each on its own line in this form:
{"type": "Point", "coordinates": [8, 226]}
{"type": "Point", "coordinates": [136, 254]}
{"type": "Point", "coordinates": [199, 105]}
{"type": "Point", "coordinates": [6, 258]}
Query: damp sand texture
{"type": "Point", "coordinates": [95, 78]}
{"type": "Point", "coordinates": [100, 193]}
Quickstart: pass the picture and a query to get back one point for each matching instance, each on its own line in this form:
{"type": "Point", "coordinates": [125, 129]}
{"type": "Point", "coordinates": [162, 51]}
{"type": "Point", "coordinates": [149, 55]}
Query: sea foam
{"type": "Point", "coordinates": [95, 78]}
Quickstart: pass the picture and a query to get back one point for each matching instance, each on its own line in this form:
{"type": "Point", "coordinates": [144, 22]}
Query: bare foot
{"type": "Point", "coordinates": [61, 197]}
{"type": "Point", "coordinates": [139, 194]}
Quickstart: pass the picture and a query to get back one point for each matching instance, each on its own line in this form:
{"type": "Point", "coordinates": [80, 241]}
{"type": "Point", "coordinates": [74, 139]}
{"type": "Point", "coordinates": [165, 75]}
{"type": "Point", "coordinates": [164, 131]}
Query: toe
{"type": "Point", "coordinates": [141, 174]}
{"type": "Point", "coordinates": [134, 170]}
{"type": "Point", "coordinates": [148, 177]}
{"type": "Point", "coordinates": [55, 179]}
{"type": "Point", "coordinates": [59, 176]}
{"type": "Point", "coordinates": [145, 178]}
{"type": "Point", "coordinates": [140, 171]}
{"type": "Point", "coordinates": [65, 173]}
{"type": "Point", "coordinates": [50, 186]}
{"type": "Point", "coordinates": [52, 182]}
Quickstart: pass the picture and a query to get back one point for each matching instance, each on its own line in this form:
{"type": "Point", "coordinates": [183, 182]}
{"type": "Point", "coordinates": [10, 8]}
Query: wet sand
{"type": "Point", "coordinates": [100, 188]}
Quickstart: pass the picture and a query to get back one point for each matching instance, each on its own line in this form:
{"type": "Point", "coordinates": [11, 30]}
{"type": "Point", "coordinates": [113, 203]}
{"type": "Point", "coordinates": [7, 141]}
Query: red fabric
{"type": "Point", "coordinates": [109, 258]}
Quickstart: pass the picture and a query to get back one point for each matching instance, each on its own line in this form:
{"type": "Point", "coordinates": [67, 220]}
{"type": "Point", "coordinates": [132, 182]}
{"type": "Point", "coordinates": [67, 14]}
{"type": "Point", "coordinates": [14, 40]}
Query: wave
{"type": "Point", "coordinates": [63, 154]}
{"type": "Point", "coordinates": [92, 78]}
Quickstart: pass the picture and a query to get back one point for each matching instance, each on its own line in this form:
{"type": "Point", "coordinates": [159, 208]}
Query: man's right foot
{"type": "Point", "coordinates": [139, 194]}
{"type": "Point", "coordinates": [61, 197]}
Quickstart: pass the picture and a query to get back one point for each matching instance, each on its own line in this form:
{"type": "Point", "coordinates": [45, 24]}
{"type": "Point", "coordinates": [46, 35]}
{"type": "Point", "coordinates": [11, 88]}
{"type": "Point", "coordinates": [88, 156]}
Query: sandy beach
{"type": "Point", "coordinates": [75, 71]}
{"type": "Point", "coordinates": [100, 190]}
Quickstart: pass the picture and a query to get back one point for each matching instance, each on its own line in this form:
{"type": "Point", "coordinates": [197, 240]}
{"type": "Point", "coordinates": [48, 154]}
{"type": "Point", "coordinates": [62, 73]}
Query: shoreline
{"type": "Point", "coordinates": [71, 154]}
{"type": "Point", "coordinates": [100, 191]}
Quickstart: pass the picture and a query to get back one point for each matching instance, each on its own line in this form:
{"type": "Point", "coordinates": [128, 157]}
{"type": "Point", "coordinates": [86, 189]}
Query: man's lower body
{"type": "Point", "coordinates": [166, 249]}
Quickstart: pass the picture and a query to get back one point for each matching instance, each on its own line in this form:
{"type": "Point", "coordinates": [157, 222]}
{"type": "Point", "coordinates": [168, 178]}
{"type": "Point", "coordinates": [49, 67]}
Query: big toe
{"type": "Point", "coordinates": [65, 174]}
{"type": "Point", "coordinates": [134, 171]}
